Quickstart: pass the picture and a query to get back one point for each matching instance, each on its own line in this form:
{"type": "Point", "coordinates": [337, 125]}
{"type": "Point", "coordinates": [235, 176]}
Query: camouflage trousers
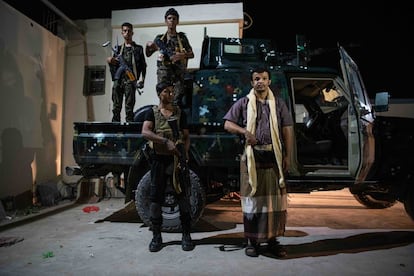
{"type": "Point", "coordinates": [120, 89]}
{"type": "Point", "coordinates": [177, 78]}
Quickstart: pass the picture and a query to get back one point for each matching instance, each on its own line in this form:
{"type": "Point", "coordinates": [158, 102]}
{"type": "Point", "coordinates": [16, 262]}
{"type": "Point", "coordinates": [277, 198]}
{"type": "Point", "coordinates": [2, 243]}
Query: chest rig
{"type": "Point", "coordinates": [163, 129]}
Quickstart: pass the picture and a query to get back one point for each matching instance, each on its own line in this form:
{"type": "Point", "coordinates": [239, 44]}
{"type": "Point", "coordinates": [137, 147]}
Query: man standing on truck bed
{"type": "Point", "coordinates": [165, 149]}
{"type": "Point", "coordinates": [128, 69]}
{"type": "Point", "coordinates": [267, 127]}
{"type": "Point", "coordinates": [174, 52]}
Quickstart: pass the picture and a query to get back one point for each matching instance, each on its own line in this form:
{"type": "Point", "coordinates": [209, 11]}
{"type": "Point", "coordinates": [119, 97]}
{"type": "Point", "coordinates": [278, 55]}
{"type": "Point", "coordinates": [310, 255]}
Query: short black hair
{"type": "Point", "coordinates": [162, 85]}
{"type": "Point", "coordinates": [172, 11]}
{"type": "Point", "coordinates": [259, 70]}
{"type": "Point", "coordinates": [127, 24]}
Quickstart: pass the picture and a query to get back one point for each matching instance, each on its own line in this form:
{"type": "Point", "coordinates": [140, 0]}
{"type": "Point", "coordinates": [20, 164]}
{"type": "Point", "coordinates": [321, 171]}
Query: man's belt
{"type": "Point", "coordinates": [268, 147]}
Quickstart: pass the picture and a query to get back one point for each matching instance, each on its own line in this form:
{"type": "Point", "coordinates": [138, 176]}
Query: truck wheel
{"type": "Point", "coordinates": [374, 201]}
{"type": "Point", "coordinates": [170, 214]}
{"type": "Point", "coordinates": [409, 203]}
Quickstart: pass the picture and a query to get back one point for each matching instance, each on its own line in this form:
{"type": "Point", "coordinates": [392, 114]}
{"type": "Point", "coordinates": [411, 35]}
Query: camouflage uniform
{"type": "Point", "coordinates": [173, 72]}
{"type": "Point", "coordinates": [123, 86]}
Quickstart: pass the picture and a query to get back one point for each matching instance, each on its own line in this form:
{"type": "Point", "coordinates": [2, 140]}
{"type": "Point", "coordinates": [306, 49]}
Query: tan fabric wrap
{"type": "Point", "coordinates": [276, 142]}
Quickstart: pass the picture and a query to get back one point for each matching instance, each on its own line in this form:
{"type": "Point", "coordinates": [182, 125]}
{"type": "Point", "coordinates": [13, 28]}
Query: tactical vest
{"type": "Point", "coordinates": [163, 129]}
{"type": "Point", "coordinates": [179, 47]}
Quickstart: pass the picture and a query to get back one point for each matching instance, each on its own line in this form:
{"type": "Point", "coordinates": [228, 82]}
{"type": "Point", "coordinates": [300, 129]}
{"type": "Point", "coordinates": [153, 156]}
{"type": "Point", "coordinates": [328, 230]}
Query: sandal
{"type": "Point", "coordinates": [251, 251]}
{"type": "Point", "coordinates": [278, 250]}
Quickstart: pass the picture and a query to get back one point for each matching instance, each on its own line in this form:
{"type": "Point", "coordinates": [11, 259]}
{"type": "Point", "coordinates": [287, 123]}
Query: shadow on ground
{"type": "Point", "coordinates": [352, 244]}
{"type": "Point", "coordinates": [213, 219]}
{"type": "Point", "coordinates": [226, 215]}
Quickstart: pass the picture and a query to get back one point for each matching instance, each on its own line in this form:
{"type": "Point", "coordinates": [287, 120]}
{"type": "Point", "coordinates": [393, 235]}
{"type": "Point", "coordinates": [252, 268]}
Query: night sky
{"type": "Point", "coordinates": [376, 35]}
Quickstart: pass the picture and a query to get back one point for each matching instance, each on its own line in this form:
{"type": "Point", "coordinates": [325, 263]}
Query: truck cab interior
{"type": "Point", "coordinates": [320, 117]}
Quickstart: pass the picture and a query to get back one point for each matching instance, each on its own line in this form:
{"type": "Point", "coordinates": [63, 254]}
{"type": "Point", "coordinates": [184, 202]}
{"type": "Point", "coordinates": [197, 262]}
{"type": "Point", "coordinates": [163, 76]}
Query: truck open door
{"type": "Point", "coordinates": [364, 112]}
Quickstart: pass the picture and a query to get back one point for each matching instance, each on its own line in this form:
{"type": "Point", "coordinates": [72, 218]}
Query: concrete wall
{"type": "Point", "coordinates": [31, 106]}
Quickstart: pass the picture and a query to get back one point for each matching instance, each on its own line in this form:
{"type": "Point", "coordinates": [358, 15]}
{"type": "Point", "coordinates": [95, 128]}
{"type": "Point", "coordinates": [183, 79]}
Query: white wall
{"type": "Point", "coordinates": [189, 14]}
{"type": "Point", "coordinates": [195, 34]}
{"type": "Point", "coordinates": [31, 79]}
{"type": "Point", "coordinates": [220, 20]}
{"type": "Point", "coordinates": [81, 51]}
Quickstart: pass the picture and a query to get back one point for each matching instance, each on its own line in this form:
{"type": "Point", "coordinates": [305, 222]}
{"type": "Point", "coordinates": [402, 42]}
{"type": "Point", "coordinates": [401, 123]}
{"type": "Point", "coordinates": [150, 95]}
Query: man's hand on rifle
{"type": "Point", "coordinates": [113, 61]}
{"type": "Point", "coordinates": [171, 146]}
{"type": "Point", "coordinates": [150, 48]}
{"type": "Point", "coordinates": [178, 56]}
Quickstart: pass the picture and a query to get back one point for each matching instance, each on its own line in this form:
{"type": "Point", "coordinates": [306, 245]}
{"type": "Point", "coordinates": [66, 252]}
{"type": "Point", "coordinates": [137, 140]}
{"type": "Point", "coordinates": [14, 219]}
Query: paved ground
{"type": "Point", "coordinates": [328, 233]}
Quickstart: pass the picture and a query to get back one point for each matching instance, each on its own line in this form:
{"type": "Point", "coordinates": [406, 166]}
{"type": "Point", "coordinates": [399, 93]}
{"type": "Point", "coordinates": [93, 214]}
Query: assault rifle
{"type": "Point", "coordinates": [117, 70]}
{"type": "Point", "coordinates": [164, 50]}
{"type": "Point", "coordinates": [183, 171]}
{"type": "Point", "coordinates": [167, 52]}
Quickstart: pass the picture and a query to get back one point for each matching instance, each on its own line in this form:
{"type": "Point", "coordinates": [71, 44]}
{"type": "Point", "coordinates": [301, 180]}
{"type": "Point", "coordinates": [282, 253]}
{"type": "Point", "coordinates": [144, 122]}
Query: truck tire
{"type": "Point", "coordinates": [170, 214]}
{"type": "Point", "coordinates": [374, 202]}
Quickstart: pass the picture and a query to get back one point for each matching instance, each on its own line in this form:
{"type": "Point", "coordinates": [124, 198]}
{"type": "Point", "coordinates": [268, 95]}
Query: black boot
{"type": "Point", "coordinates": [156, 242]}
{"type": "Point", "coordinates": [187, 243]}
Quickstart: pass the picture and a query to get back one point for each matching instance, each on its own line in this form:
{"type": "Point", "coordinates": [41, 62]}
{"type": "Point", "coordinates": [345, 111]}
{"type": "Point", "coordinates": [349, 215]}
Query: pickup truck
{"type": "Point", "coordinates": [340, 140]}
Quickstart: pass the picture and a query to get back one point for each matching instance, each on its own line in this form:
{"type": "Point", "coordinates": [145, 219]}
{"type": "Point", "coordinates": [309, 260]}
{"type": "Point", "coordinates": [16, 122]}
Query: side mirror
{"type": "Point", "coordinates": [381, 101]}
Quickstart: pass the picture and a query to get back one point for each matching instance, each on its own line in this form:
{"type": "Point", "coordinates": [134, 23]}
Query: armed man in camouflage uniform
{"type": "Point", "coordinates": [128, 69]}
{"type": "Point", "coordinates": [165, 149]}
{"type": "Point", "coordinates": [174, 52]}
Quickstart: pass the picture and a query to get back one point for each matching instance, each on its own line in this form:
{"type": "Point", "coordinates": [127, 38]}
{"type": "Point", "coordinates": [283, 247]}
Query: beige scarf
{"type": "Point", "coordinates": [276, 143]}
